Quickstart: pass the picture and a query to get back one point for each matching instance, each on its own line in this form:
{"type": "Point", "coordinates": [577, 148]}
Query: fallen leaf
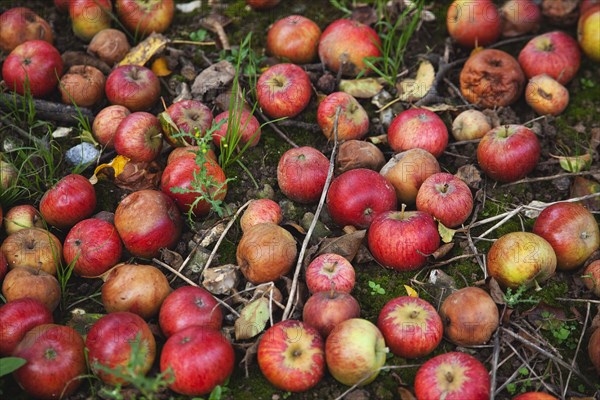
{"type": "Point", "coordinates": [347, 246]}
{"type": "Point", "coordinates": [171, 258]}
{"type": "Point", "coordinates": [575, 163]}
{"type": "Point", "coordinates": [82, 321]}
{"type": "Point", "coordinates": [534, 209]}
{"type": "Point", "coordinates": [446, 233]}
{"type": "Point", "coordinates": [139, 175]}
{"type": "Point", "coordinates": [160, 67]}
{"type": "Point", "coordinates": [62, 132]}
{"type": "Point", "coordinates": [405, 394]}
{"type": "Point", "coordinates": [215, 77]}
{"type": "Point", "coordinates": [221, 280]}
{"type": "Point", "coordinates": [253, 319]}
{"type": "Point", "coordinates": [442, 251]}
{"type": "Point", "coordinates": [583, 187]}
{"type": "Point", "coordinates": [364, 14]}
{"type": "Point", "coordinates": [381, 139]}
{"type": "Point", "coordinates": [145, 50]}
{"type": "Point", "coordinates": [470, 175]}
{"type": "Point", "coordinates": [361, 88]}
{"type": "Point", "coordinates": [415, 89]}
{"type": "Point", "coordinates": [410, 291]}
{"type": "Point", "coordinates": [496, 292]}
{"type": "Point", "coordinates": [595, 138]}
{"type": "Point", "coordinates": [117, 164]}
{"type": "Point", "coordinates": [171, 131]}
{"type": "Point", "coordinates": [441, 107]}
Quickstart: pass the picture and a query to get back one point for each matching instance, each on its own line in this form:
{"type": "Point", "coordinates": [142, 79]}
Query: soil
{"type": "Point", "coordinates": [561, 327]}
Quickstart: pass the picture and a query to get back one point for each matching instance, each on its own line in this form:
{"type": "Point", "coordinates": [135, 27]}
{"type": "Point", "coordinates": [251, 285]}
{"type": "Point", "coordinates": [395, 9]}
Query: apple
{"type": "Point", "coordinates": [291, 356]}
{"type": "Point", "coordinates": [585, 5]}
{"type": "Point", "coordinates": [245, 126]}
{"type": "Point", "coordinates": [588, 32]}
{"type": "Point", "coordinates": [199, 359]}
{"type": "Point", "coordinates": [358, 154]}
{"type": "Point", "coordinates": [358, 196]}
{"type": "Point", "coordinates": [283, 90]}
{"type": "Point", "coordinates": [407, 171]}
{"type": "Point", "coordinates": [82, 85]}
{"type": "Point", "coordinates": [20, 24]}
{"type": "Point", "coordinates": [8, 175]}
{"type": "Point", "coordinates": [191, 152]}
{"type": "Point", "coordinates": [591, 277]}
{"type": "Point", "coordinates": [353, 122]}
{"type": "Point", "coordinates": [330, 271]}
{"type": "Point", "coordinates": [62, 5]}
{"type": "Point", "coordinates": [139, 137]}
{"type": "Point", "coordinates": [473, 23]}
{"type": "Point", "coordinates": [132, 86]}
{"type": "Point", "coordinates": [22, 282]}
{"type": "Point", "coordinates": [402, 240]}
{"type": "Point", "coordinates": [180, 173]}
{"type": "Point", "coordinates": [22, 217]}
{"type": "Point", "coordinates": [160, 227]}
{"type": "Point", "coordinates": [55, 364]}
{"type": "Point", "coordinates": [521, 258]}
{"type": "Point", "coordinates": [17, 318]}
{"type": "Point", "coordinates": [262, 4]}
{"type": "Point", "coordinates": [470, 125]}
{"type": "Point", "coordinates": [355, 352]}
{"type": "Point", "coordinates": [546, 95]}
{"type": "Point", "coordinates": [520, 17]}
{"type": "Point", "coordinates": [508, 153]}
{"type": "Point", "coordinates": [142, 17]}
{"type": "Point", "coordinates": [572, 232]}
{"type": "Point", "coordinates": [90, 17]}
{"type": "Point", "coordinates": [106, 123]}
{"type": "Point", "coordinates": [553, 53]}
{"type": "Point", "coordinates": [447, 198]}
{"type": "Point", "coordinates": [534, 396]}
{"type": "Point", "coordinates": [301, 174]}
{"type": "Point", "coordinates": [92, 246]}
{"type": "Point", "coordinates": [109, 344]}
{"type": "Point", "coordinates": [420, 128]}
{"type": "Point", "coordinates": [452, 376]}
{"type": "Point", "coordinates": [594, 349]}
{"type": "Point", "coordinates": [33, 247]}
{"type": "Point", "coordinates": [470, 316]}
{"type": "Point", "coordinates": [33, 66]}
{"type": "Point", "coordinates": [411, 326]}
{"type": "Point", "coordinates": [325, 310]}
{"type": "Point", "coordinates": [3, 266]}
{"type": "Point", "coordinates": [294, 38]}
{"type": "Point", "coordinates": [260, 211]}
{"type": "Point", "coordinates": [71, 200]}
{"type": "Point", "coordinates": [109, 45]}
{"type": "Point", "coordinates": [345, 44]}
{"type": "Point", "coordinates": [188, 306]}
{"type": "Point", "coordinates": [191, 117]}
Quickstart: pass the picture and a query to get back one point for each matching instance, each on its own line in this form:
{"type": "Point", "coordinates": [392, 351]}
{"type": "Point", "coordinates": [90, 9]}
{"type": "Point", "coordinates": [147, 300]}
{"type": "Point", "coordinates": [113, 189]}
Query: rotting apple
{"type": "Point", "coordinates": [520, 17]}
{"type": "Point", "coordinates": [591, 277]}
{"type": "Point", "coordinates": [20, 24]}
{"type": "Point", "coordinates": [90, 17]}
{"type": "Point", "coordinates": [8, 175]}
{"type": "Point", "coordinates": [294, 38]}
{"type": "Point", "coordinates": [17, 318]}
{"type": "Point", "coordinates": [358, 154]}
{"type": "Point", "coordinates": [71, 200]}
{"type": "Point", "coordinates": [22, 282]}
{"type": "Point", "coordinates": [260, 211]}
{"type": "Point", "coordinates": [447, 198]}
{"type": "Point", "coordinates": [33, 247]}
{"type": "Point", "coordinates": [82, 85]}
{"type": "Point", "coordinates": [132, 86]}
{"type": "Point", "coordinates": [473, 23]}
{"type": "Point", "coordinates": [470, 125]}
{"type": "Point", "coordinates": [106, 123]}
{"type": "Point", "coordinates": [139, 137]}
{"type": "Point", "coordinates": [588, 32]}
{"type": "Point", "coordinates": [330, 271]}
{"type": "Point", "coordinates": [301, 174]}
{"type": "Point", "coordinates": [142, 17]}
{"type": "Point", "coordinates": [594, 349]}
{"type": "Point", "coordinates": [353, 122]}
{"type": "Point", "coordinates": [109, 45]}
{"type": "Point", "coordinates": [418, 128]}
{"type": "Point", "coordinates": [283, 90]}
{"type": "Point", "coordinates": [21, 217]}
{"type": "Point", "coordinates": [325, 310]}
{"type": "Point", "coordinates": [546, 95]}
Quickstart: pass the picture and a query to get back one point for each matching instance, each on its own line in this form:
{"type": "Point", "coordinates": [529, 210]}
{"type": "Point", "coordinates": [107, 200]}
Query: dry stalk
{"type": "Point", "coordinates": [587, 317]}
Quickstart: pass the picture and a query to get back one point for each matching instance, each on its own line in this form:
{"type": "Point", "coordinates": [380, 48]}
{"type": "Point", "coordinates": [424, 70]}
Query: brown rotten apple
{"type": "Point", "coordinates": [520, 17]}
{"type": "Point", "coordinates": [358, 154]}
{"type": "Point", "coordinates": [33, 247]}
{"type": "Point", "coordinates": [22, 282]}
{"type": "Point", "coordinates": [82, 85]}
{"type": "Point", "coordinates": [109, 45]}
{"type": "Point", "coordinates": [21, 24]}
{"type": "Point", "coordinates": [594, 349]}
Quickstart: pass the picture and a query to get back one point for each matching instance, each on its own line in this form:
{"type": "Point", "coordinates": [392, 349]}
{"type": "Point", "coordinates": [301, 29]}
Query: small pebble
{"type": "Point", "coordinates": [83, 153]}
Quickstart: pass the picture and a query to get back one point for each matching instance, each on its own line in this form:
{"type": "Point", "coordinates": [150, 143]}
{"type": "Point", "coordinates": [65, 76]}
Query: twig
{"type": "Point", "coordinates": [307, 126]}
{"type": "Point", "coordinates": [191, 42]}
{"type": "Point", "coordinates": [451, 260]}
{"type": "Point", "coordinates": [551, 177]}
{"type": "Point", "coordinates": [579, 300]}
{"type": "Point", "coordinates": [587, 317]}
{"type": "Point", "coordinates": [529, 367]}
{"type": "Point", "coordinates": [48, 110]}
{"type": "Point", "coordinates": [384, 368]}
{"type": "Point", "coordinates": [275, 128]}
{"type": "Point", "coordinates": [502, 222]}
{"type": "Point", "coordinates": [495, 358]}
{"type": "Point", "coordinates": [23, 133]}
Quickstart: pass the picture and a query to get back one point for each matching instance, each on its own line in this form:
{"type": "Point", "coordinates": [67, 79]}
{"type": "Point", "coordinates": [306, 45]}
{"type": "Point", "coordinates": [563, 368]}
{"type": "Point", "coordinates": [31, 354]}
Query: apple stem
{"type": "Point", "coordinates": [449, 377]}
{"type": "Point", "coordinates": [402, 211]}
{"type": "Point", "coordinates": [414, 314]}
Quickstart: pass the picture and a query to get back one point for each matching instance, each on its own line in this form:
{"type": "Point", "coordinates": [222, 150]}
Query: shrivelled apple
{"type": "Point", "coordinates": [106, 123]}
{"type": "Point", "coordinates": [71, 200]}
{"type": "Point", "coordinates": [295, 38]}
{"type": "Point", "coordinates": [520, 17]}
{"type": "Point", "coordinates": [546, 95]}
{"type": "Point", "coordinates": [17, 318]}
{"type": "Point", "coordinates": [353, 122]}
{"type": "Point", "coordinates": [301, 174]}
{"type": "Point", "coordinates": [588, 32]}
{"type": "Point", "coordinates": [473, 22]}
{"type": "Point", "coordinates": [144, 17]}
{"type": "Point", "coordinates": [447, 198]}
{"type": "Point", "coordinates": [330, 271]}
{"type": "Point", "coordinates": [244, 125]}
{"type": "Point", "coordinates": [33, 247]}
{"type": "Point", "coordinates": [20, 24]}
{"type": "Point", "coordinates": [22, 217]}
{"type": "Point", "coordinates": [470, 124]}
{"type": "Point", "coordinates": [188, 306]}
{"type": "Point", "coordinates": [572, 232]}
{"type": "Point", "coordinates": [109, 45]}
{"type": "Point", "coordinates": [283, 90]}
{"type": "Point", "coordinates": [139, 137]}
{"type": "Point", "coordinates": [89, 17]}
{"type": "Point", "coordinates": [132, 86]}
{"type": "Point", "coordinates": [291, 356]}
{"type": "Point", "coordinates": [260, 211]}
{"type": "Point", "coordinates": [325, 310]}
{"type": "Point", "coordinates": [26, 282]}
{"type": "Point", "coordinates": [82, 85]}
{"type": "Point", "coordinates": [418, 128]}
{"type": "Point", "coordinates": [591, 277]}
{"type": "Point", "coordinates": [191, 117]}
{"type": "Point", "coordinates": [358, 154]}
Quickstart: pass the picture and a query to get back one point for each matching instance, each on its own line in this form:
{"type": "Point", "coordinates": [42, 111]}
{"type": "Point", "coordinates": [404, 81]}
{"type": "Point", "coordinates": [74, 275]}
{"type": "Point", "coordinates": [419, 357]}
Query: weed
{"type": "Point", "coordinates": [10, 364]}
{"type": "Point", "coordinates": [521, 386]}
{"type": "Point", "coordinates": [587, 83]}
{"type": "Point", "coordinates": [514, 299]}
{"type": "Point", "coordinates": [199, 35]}
{"type": "Point", "coordinates": [376, 289]}
{"type": "Point", "coordinates": [563, 332]}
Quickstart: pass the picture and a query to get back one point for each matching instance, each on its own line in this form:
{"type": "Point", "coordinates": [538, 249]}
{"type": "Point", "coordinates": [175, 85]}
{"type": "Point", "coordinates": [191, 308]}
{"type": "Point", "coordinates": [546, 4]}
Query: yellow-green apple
{"type": "Point", "coordinates": [188, 306]}
{"type": "Point", "coordinates": [520, 17]}
{"type": "Point", "coordinates": [591, 277]}
{"type": "Point", "coordinates": [508, 153]}
{"type": "Point", "coordinates": [470, 316]}
{"type": "Point", "coordinates": [553, 53]}
{"type": "Point", "coordinates": [301, 174]}
{"type": "Point", "coordinates": [109, 345]}
{"type": "Point", "coordinates": [8, 175]}
{"type": "Point", "coordinates": [355, 351]}
{"type": "Point", "coordinates": [452, 376]}
{"type": "Point", "coordinates": [473, 22]}
{"type": "Point", "coordinates": [345, 44]}
{"type": "Point", "coordinates": [198, 359]}
{"type": "Point", "coordinates": [17, 318]}
{"type": "Point", "coordinates": [470, 125]}
{"type": "Point", "coordinates": [412, 328]}
{"type": "Point", "coordinates": [22, 217]}
{"type": "Point", "coordinates": [192, 118]}
{"type": "Point", "coordinates": [33, 247]}
{"type": "Point", "coordinates": [358, 196]}
{"type": "Point", "coordinates": [106, 123]}
{"type": "Point", "coordinates": [407, 171]}
{"type": "Point", "coordinates": [594, 349]}
{"type": "Point", "coordinates": [142, 17]}
{"type": "Point", "coordinates": [572, 232]}
{"type": "Point", "coordinates": [139, 137]}
{"type": "Point", "coordinates": [22, 282]}
{"type": "Point", "coordinates": [402, 240]}
{"type": "Point", "coordinates": [109, 45]}
{"type": "Point", "coordinates": [243, 124]}
{"type": "Point", "coordinates": [447, 198]}
{"type": "Point", "coordinates": [160, 227]}
{"type": "Point", "coordinates": [82, 85]}
{"type": "Point", "coordinates": [546, 95]}
{"type": "Point", "coordinates": [132, 86]}
{"type": "Point", "coordinates": [353, 122]}
{"type": "Point", "coordinates": [294, 38]}
{"type": "Point", "coordinates": [325, 310]}
{"type": "Point", "coordinates": [588, 32]}
{"type": "Point", "coordinates": [283, 90]}
{"type": "Point", "coordinates": [260, 211]}
{"type": "Point", "coordinates": [34, 66]}
{"type": "Point", "coordinates": [521, 258]}
{"type": "Point", "coordinates": [291, 356]}
{"type": "Point", "coordinates": [90, 17]}
{"type": "Point", "coordinates": [71, 200]}
{"type": "Point", "coordinates": [418, 128]}
{"type": "Point", "coordinates": [20, 24]}
{"type": "Point", "coordinates": [262, 4]}
{"type": "Point", "coordinates": [534, 396]}
{"type": "Point", "coordinates": [330, 271]}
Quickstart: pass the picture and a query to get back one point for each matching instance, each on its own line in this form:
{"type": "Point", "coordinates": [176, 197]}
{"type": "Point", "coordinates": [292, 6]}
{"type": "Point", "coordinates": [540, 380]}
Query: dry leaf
{"type": "Point", "coordinates": [172, 258]}
{"type": "Point", "coordinates": [496, 292]}
{"type": "Point", "coordinates": [415, 89]}
{"type": "Point", "coordinates": [347, 246]}
{"type": "Point", "coordinates": [583, 187]}
{"type": "Point", "coordinates": [222, 279]}
{"type": "Point", "coordinates": [145, 50]}
{"type": "Point", "coordinates": [215, 77]}
{"type": "Point", "coordinates": [253, 319]}
{"type": "Point", "coordinates": [361, 88]}
{"type": "Point", "coordinates": [440, 279]}
{"type": "Point", "coordinates": [470, 175]}
{"type": "Point", "coordinates": [595, 139]}
{"type": "Point", "coordinates": [575, 163]}
{"type": "Point", "coordinates": [410, 291]}
{"type": "Point", "coordinates": [534, 209]}
{"type": "Point", "coordinates": [441, 107]}
{"type": "Point", "coordinates": [117, 164]}
{"type": "Point", "coordinates": [405, 394]}
{"type": "Point", "coordinates": [139, 175]}
{"type": "Point", "coordinates": [381, 139]}
{"type": "Point", "coordinates": [364, 14]}
{"type": "Point", "coordinates": [446, 233]}
{"type": "Point", "coordinates": [160, 67]}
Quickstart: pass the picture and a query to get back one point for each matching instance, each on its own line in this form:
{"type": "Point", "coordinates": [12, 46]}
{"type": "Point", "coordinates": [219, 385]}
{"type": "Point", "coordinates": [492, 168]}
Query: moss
{"type": "Point", "coordinates": [553, 289]}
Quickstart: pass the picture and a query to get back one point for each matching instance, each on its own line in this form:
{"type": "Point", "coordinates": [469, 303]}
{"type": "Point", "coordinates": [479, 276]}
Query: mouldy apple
{"type": "Point", "coordinates": [520, 17]}
{"type": "Point", "coordinates": [473, 22]}
{"type": "Point", "coordinates": [20, 24]}
{"type": "Point", "coordinates": [294, 38]}
{"type": "Point", "coordinates": [8, 175]}
{"type": "Point", "coordinates": [109, 45]}
{"type": "Point", "coordinates": [82, 85]}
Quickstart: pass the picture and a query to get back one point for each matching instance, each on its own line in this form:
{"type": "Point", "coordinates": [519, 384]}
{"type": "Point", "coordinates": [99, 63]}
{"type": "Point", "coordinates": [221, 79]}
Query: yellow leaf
{"type": "Point", "coordinates": [575, 163]}
{"type": "Point", "coordinates": [145, 50]}
{"type": "Point", "coordinates": [160, 67]}
{"type": "Point", "coordinates": [411, 292]}
{"type": "Point", "coordinates": [361, 88]}
{"type": "Point", "coordinates": [446, 233]}
{"type": "Point", "coordinates": [118, 164]}
{"type": "Point", "coordinates": [415, 89]}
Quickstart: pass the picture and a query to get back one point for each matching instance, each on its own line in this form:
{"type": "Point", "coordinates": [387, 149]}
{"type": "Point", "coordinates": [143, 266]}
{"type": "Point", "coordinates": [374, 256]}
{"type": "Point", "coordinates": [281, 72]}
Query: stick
{"type": "Point", "coordinates": [384, 368]}
{"type": "Point", "coordinates": [48, 110]}
{"type": "Point", "coordinates": [587, 317]}
{"type": "Point", "coordinates": [551, 177]}
{"type": "Point", "coordinates": [276, 128]}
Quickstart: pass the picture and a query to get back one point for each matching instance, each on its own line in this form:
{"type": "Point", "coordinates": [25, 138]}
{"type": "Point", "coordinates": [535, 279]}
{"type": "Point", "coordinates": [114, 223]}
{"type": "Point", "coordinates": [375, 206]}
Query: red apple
{"type": "Point", "coordinates": [191, 117]}
{"type": "Point", "coordinates": [22, 217]}
{"type": "Point", "coordinates": [92, 246]}
{"type": "Point", "coordinates": [82, 85]}
{"type": "Point", "coordinates": [452, 376]}
{"type": "Point", "coordinates": [534, 396]}
{"type": "Point", "coordinates": [26, 282]}
{"type": "Point", "coordinates": [33, 247]}
{"type": "Point", "coordinates": [473, 22]}
{"type": "Point", "coordinates": [357, 196]}
{"type": "Point", "coordinates": [402, 240]}
{"type": "Point", "coordinates": [546, 95]}
{"type": "Point", "coordinates": [470, 124]}
{"type": "Point", "coordinates": [142, 17]}
{"type": "Point", "coordinates": [160, 227]}
{"type": "Point", "coordinates": [411, 326]}
{"type": "Point", "coordinates": [17, 318]}
{"type": "Point", "coordinates": [591, 277]}
{"type": "Point", "coordinates": [3, 266]}
{"type": "Point", "coordinates": [188, 306]}
{"type": "Point", "coordinates": [353, 122]}
{"type": "Point", "coordinates": [132, 86]}
{"type": "Point", "coordinates": [262, 4]}
{"type": "Point", "coordinates": [294, 38]}
{"type": "Point", "coordinates": [139, 137]}
{"type": "Point", "coordinates": [345, 44]}
{"type": "Point", "coordinates": [245, 126]}
{"type": "Point", "coordinates": [283, 90]}
{"type": "Point", "coordinates": [20, 24]}
{"type": "Point", "coordinates": [330, 271]}
{"type": "Point", "coordinates": [447, 198]}
{"type": "Point", "coordinates": [520, 17]}
{"type": "Point", "coordinates": [199, 358]}
{"type": "Point", "coordinates": [89, 17]}
{"type": "Point", "coordinates": [260, 211]}
{"type": "Point", "coordinates": [585, 5]}
{"type": "Point", "coordinates": [553, 53]}
{"type": "Point", "coordinates": [55, 361]}
{"type": "Point", "coordinates": [508, 153]}
{"type": "Point", "coordinates": [301, 174]}
{"type": "Point", "coordinates": [62, 5]}
{"type": "Point", "coordinates": [588, 32]}
{"type": "Point", "coordinates": [325, 310]}
{"type": "Point", "coordinates": [291, 356]}
{"type": "Point", "coordinates": [106, 123]}
{"type": "Point", "coordinates": [109, 344]}
{"type": "Point", "coordinates": [355, 351]}
{"type": "Point", "coordinates": [35, 65]}
{"type": "Point", "coordinates": [418, 128]}
{"type": "Point", "coordinates": [191, 152]}
{"type": "Point", "coordinates": [71, 200]}
{"type": "Point", "coordinates": [572, 232]}
{"type": "Point", "coordinates": [594, 349]}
